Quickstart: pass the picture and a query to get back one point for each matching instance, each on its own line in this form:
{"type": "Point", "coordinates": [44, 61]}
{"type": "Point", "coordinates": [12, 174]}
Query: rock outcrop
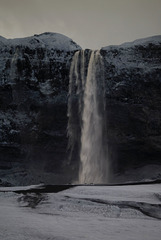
{"type": "Point", "coordinates": [133, 97]}
{"type": "Point", "coordinates": [34, 76]}
{"type": "Point", "coordinates": [34, 79]}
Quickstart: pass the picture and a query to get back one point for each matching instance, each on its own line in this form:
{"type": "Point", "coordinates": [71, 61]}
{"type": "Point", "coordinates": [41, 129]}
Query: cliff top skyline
{"type": "Point", "coordinates": [91, 23]}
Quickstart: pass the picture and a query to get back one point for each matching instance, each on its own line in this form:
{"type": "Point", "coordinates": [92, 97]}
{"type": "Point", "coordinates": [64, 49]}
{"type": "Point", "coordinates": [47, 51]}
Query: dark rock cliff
{"type": "Point", "coordinates": [34, 78]}
{"type": "Point", "coordinates": [133, 96]}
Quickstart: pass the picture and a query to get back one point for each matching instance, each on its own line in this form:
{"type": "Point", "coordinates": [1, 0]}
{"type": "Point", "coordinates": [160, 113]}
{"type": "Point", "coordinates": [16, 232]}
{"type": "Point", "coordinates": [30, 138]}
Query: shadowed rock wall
{"type": "Point", "coordinates": [34, 82]}
{"type": "Point", "coordinates": [133, 96]}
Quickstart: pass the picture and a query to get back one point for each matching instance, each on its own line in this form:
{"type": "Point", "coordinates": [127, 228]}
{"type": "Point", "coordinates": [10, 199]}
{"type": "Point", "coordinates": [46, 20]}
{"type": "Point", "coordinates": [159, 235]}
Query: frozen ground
{"type": "Point", "coordinates": [84, 212]}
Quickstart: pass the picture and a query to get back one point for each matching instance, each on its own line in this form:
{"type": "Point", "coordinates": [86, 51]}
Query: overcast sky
{"type": "Point", "coordinates": [90, 23]}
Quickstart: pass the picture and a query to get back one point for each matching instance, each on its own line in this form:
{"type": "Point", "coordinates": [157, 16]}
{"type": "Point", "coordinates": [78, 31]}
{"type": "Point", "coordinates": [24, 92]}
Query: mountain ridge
{"type": "Point", "coordinates": [47, 40]}
{"type": "Point", "coordinates": [55, 37]}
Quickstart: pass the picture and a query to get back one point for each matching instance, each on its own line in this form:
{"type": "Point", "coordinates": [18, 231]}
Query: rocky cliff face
{"type": "Point", "coordinates": [133, 96]}
{"type": "Point", "coordinates": [34, 78]}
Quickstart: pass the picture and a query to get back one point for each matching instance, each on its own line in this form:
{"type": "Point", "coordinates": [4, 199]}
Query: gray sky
{"type": "Point", "coordinates": [90, 23]}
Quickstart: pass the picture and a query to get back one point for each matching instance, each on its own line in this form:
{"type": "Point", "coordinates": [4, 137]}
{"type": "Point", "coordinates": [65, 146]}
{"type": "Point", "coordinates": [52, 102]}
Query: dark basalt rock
{"type": "Point", "coordinates": [133, 96]}
{"type": "Point", "coordinates": [34, 80]}
{"type": "Point", "coordinates": [33, 110]}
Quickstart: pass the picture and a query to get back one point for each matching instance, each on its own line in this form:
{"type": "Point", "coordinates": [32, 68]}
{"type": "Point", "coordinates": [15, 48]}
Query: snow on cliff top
{"type": "Point", "coordinates": [48, 40]}
{"type": "Point", "coordinates": [139, 42]}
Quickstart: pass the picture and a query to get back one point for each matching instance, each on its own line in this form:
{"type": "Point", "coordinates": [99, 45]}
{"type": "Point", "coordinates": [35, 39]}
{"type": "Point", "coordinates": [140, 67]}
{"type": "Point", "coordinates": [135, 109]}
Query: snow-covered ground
{"type": "Point", "coordinates": [84, 212]}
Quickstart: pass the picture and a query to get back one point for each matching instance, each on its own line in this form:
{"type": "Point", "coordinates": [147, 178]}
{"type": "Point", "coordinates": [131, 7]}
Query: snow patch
{"type": "Point", "coordinates": [139, 42]}
{"type": "Point", "coordinates": [47, 40]}
{"type": "Point", "coordinates": [66, 216]}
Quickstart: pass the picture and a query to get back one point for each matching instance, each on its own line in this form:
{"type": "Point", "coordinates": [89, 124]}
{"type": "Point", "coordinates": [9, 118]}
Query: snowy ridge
{"type": "Point", "coordinates": [139, 42]}
{"type": "Point", "coordinates": [140, 54]}
{"type": "Point", "coordinates": [47, 40]}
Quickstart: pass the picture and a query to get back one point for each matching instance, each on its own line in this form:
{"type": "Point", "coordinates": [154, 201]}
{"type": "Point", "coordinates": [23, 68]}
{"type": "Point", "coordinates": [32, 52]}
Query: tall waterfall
{"type": "Point", "coordinates": [87, 91]}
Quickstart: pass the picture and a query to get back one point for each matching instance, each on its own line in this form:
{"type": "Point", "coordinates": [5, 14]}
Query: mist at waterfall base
{"type": "Point", "coordinates": [88, 130]}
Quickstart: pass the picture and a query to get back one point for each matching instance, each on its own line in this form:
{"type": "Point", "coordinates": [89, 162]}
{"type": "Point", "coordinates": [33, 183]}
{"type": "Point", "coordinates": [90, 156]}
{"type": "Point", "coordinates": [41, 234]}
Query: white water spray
{"type": "Point", "coordinates": [90, 94]}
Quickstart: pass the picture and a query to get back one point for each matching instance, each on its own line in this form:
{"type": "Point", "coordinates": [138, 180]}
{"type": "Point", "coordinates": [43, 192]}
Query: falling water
{"type": "Point", "coordinates": [13, 66]}
{"type": "Point", "coordinates": [88, 89]}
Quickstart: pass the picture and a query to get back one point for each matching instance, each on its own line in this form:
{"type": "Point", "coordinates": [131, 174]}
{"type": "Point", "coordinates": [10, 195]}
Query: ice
{"type": "Point", "coordinates": [76, 213]}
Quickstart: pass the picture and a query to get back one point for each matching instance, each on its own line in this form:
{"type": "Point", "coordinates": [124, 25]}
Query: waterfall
{"type": "Point", "coordinates": [13, 66]}
{"type": "Point", "coordinates": [87, 100]}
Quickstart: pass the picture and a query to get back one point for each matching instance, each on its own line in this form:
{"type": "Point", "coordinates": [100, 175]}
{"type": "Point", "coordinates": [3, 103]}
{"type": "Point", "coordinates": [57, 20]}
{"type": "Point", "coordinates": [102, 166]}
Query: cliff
{"type": "Point", "coordinates": [34, 79]}
{"type": "Point", "coordinates": [34, 76]}
{"type": "Point", "coordinates": [133, 96]}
